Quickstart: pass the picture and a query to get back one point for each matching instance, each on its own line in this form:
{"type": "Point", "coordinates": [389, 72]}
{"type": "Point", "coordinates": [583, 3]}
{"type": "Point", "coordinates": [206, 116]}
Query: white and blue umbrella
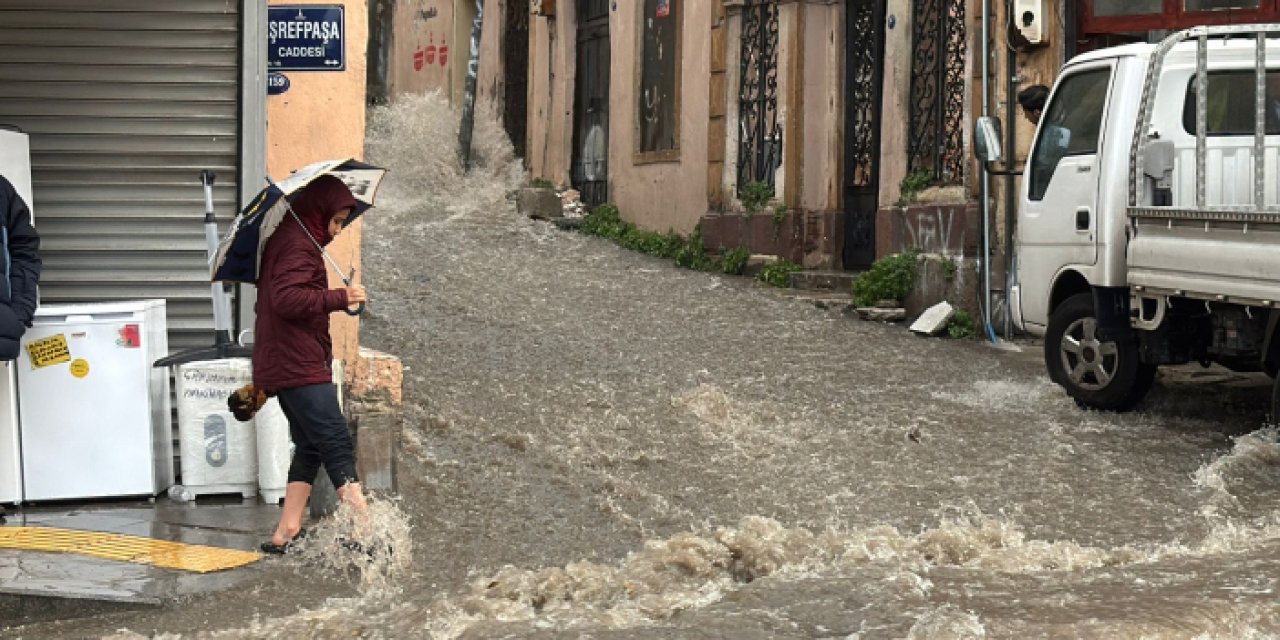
{"type": "Point", "coordinates": [239, 255]}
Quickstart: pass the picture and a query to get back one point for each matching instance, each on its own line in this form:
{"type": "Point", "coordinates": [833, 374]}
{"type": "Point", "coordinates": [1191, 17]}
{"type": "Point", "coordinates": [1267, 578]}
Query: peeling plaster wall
{"type": "Point", "coordinates": [322, 116]}
{"type": "Point", "coordinates": [550, 104]}
{"type": "Point", "coordinates": [431, 45]}
{"type": "Point", "coordinates": [489, 75]}
{"type": "Point", "coordinates": [422, 47]}
{"type": "Point", "coordinates": [895, 104]}
{"type": "Point", "coordinates": [821, 179]}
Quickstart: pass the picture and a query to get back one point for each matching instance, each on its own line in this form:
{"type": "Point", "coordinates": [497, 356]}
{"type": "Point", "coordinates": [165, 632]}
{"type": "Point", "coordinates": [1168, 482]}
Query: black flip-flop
{"type": "Point", "coordinates": [274, 549]}
{"type": "Point", "coordinates": [372, 550]}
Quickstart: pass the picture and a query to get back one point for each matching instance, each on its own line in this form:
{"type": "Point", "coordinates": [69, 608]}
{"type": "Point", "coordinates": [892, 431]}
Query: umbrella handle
{"type": "Point", "coordinates": [347, 280]}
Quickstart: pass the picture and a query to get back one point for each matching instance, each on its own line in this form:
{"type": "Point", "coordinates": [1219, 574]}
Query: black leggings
{"type": "Point", "coordinates": [319, 433]}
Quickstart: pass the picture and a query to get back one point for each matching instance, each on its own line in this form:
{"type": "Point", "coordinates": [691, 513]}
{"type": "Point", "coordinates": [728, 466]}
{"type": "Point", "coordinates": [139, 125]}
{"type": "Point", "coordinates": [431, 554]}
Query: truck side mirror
{"type": "Point", "coordinates": [986, 139]}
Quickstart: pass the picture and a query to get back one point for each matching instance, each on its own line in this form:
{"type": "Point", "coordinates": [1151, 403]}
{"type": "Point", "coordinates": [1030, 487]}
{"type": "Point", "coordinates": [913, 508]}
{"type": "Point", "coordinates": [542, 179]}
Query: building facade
{"type": "Point", "coordinates": [855, 115]}
{"type": "Point", "coordinates": [673, 110]}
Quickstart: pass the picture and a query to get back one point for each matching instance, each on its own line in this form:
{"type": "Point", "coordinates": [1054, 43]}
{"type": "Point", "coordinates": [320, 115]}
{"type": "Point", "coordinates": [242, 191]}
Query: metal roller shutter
{"type": "Point", "coordinates": [126, 101]}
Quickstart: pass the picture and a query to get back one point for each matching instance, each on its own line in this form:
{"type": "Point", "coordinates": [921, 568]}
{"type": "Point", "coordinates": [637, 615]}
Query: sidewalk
{"type": "Point", "coordinates": [41, 585]}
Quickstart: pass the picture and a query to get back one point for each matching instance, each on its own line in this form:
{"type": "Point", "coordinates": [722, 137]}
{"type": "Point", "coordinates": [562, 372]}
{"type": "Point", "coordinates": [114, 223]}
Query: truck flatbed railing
{"type": "Point", "coordinates": [1143, 135]}
{"type": "Point", "coordinates": [1246, 214]}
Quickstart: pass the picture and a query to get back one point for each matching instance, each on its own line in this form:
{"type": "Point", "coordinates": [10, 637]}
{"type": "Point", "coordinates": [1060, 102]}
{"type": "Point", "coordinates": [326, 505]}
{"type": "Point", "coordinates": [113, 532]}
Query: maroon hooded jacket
{"type": "Point", "coordinates": [291, 344]}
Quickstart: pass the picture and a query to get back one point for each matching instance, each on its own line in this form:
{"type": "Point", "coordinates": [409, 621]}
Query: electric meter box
{"type": "Point", "coordinates": [1028, 17]}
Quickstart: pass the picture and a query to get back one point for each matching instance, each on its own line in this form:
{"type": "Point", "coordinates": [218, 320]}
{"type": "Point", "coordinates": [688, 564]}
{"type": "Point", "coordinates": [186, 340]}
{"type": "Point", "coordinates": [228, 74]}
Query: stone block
{"type": "Point", "coordinates": [935, 319]}
{"type": "Point", "coordinates": [877, 314]}
{"type": "Point", "coordinates": [719, 91]}
{"type": "Point", "coordinates": [375, 377]}
{"type": "Point", "coordinates": [377, 433]}
{"type": "Point", "coordinates": [539, 203]}
{"type": "Point", "coordinates": [756, 263]}
{"type": "Point", "coordinates": [824, 280]}
{"type": "Point", "coordinates": [719, 50]}
{"type": "Point", "coordinates": [942, 278]}
{"type": "Point", "coordinates": [715, 143]}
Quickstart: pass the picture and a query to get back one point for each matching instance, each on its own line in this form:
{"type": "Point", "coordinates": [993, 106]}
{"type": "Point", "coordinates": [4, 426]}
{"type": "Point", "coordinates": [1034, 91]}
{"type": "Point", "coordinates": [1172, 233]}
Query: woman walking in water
{"type": "Point", "coordinates": [293, 354]}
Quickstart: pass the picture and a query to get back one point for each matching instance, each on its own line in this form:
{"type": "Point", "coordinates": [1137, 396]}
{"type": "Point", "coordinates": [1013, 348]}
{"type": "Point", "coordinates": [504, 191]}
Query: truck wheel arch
{"type": "Point", "coordinates": [1067, 284]}
{"type": "Point", "coordinates": [1271, 345]}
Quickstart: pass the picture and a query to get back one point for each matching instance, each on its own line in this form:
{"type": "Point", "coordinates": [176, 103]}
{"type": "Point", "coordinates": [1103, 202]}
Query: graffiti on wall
{"type": "Point", "coordinates": [938, 230]}
{"type": "Point", "coordinates": [430, 54]}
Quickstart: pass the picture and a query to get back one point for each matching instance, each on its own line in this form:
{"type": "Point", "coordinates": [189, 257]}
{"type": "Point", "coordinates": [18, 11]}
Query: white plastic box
{"type": "Point", "coordinates": [218, 453]}
{"type": "Point", "coordinates": [275, 449]}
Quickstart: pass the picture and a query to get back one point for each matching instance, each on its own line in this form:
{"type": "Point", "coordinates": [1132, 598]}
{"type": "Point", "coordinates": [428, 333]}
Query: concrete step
{"type": "Point", "coordinates": [824, 280]}
{"type": "Point", "coordinates": [836, 300]}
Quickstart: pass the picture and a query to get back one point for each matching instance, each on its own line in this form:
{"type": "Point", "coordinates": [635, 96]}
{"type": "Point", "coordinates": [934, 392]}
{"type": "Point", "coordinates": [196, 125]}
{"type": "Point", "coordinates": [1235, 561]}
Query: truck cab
{"type": "Point", "coordinates": [1148, 228]}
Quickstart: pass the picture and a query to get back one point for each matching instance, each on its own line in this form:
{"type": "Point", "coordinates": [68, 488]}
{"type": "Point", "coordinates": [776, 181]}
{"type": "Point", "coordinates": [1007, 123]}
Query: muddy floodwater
{"type": "Point", "coordinates": [599, 444]}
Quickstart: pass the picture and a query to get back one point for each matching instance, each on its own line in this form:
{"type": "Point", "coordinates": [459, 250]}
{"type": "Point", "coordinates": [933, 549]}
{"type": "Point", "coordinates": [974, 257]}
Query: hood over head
{"type": "Point", "coordinates": [317, 203]}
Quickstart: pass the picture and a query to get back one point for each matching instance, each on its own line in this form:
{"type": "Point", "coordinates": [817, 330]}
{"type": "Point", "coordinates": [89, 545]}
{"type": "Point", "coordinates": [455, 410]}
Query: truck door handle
{"type": "Point", "coordinates": [1082, 219]}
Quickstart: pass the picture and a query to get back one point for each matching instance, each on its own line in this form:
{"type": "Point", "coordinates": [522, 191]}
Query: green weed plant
{"type": "Point", "coordinates": [778, 273]}
{"type": "Point", "coordinates": [890, 278]}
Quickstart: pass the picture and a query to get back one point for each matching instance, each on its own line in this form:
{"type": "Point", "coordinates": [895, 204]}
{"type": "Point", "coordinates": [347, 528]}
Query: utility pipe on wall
{"type": "Point", "coordinates": [985, 190]}
{"type": "Point", "coordinates": [1010, 202]}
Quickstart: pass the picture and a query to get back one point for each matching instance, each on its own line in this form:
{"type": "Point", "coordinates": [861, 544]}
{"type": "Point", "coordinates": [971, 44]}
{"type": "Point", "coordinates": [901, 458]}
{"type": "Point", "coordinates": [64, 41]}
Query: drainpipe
{"type": "Point", "coordinates": [985, 190]}
{"type": "Point", "coordinates": [1010, 193]}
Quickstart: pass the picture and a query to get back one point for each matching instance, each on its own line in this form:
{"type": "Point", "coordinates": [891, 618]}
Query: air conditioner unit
{"type": "Point", "coordinates": [1028, 17]}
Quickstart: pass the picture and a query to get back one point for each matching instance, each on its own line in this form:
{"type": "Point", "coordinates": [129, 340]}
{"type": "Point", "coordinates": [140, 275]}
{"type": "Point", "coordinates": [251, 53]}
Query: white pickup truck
{"type": "Point", "coordinates": [1148, 231]}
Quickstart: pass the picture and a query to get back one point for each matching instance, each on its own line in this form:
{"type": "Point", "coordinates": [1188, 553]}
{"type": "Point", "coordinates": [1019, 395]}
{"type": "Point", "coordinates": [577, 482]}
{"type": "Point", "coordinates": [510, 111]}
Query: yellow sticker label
{"type": "Point", "coordinates": [80, 367]}
{"type": "Point", "coordinates": [47, 351]}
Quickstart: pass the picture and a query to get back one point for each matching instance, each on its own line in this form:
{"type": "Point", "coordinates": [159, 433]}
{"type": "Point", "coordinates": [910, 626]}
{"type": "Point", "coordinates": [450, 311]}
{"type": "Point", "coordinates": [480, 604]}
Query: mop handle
{"type": "Point", "coordinates": [217, 294]}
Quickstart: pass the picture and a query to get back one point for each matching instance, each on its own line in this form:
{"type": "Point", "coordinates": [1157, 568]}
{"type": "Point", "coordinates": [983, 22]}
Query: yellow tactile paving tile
{"type": "Point", "coordinates": [122, 548]}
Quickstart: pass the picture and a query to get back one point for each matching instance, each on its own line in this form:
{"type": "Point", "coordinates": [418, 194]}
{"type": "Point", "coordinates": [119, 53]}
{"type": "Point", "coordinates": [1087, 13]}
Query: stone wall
{"type": "Point", "coordinates": [952, 230]}
{"type": "Point", "coordinates": [809, 238]}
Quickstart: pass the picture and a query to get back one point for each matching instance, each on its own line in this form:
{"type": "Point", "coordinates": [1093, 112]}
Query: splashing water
{"type": "Point", "coordinates": [1256, 454]}
{"type": "Point", "coordinates": [685, 572]}
{"type": "Point", "coordinates": [377, 545]}
{"type": "Point", "coordinates": [411, 138]}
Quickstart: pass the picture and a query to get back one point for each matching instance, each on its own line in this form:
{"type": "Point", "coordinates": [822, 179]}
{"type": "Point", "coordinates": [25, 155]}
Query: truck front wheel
{"type": "Point", "coordinates": [1098, 375]}
{"type": "Point", "coordinates": [1274, 417]}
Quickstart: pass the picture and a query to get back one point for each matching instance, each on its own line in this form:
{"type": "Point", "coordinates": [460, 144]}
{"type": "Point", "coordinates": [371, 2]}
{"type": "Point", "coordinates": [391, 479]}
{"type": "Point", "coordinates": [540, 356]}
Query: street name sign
{"type": "Point", "coordinates": [306, 37]}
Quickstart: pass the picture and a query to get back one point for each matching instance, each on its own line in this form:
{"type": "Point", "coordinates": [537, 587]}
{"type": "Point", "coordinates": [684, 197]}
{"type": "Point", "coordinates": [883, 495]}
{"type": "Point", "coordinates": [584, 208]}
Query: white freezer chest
{"type": "Point", "coordinates": [94, 412]}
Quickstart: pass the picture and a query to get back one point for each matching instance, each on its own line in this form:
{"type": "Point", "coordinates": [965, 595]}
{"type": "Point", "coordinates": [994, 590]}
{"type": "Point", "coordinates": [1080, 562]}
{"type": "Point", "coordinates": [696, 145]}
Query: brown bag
{"type": "Point", "coordinates": [245, 401]}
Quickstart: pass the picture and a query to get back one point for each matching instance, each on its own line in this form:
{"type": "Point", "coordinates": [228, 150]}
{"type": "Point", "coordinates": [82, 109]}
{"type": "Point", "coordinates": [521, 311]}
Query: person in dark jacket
{"type": "Point", "coordinates": [1032, 100]}
{"type": "Point", "coordinates": [292, 352]}
{"type": "Point", "coordinates": [20, 253]}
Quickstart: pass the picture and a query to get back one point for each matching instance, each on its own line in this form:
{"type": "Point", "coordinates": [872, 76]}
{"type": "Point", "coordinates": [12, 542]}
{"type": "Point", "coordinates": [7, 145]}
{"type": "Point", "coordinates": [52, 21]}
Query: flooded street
{"type": "Point", "coordinates": [599, 444]}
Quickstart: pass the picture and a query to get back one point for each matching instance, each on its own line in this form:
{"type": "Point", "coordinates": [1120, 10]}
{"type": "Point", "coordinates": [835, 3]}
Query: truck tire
{"type": "Point", "coordinates": [1099, 375]}
{"type": "Point", "coordinates": [1273, 417]}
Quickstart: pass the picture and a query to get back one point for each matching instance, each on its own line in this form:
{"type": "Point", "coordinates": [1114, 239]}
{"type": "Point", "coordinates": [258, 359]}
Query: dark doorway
{"type": "Point", "coordinates": [515, 56]}
{"type": "Point", "coordinates": [864, 63]}
{"type": "Point", "coordinates": [590, 169]}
